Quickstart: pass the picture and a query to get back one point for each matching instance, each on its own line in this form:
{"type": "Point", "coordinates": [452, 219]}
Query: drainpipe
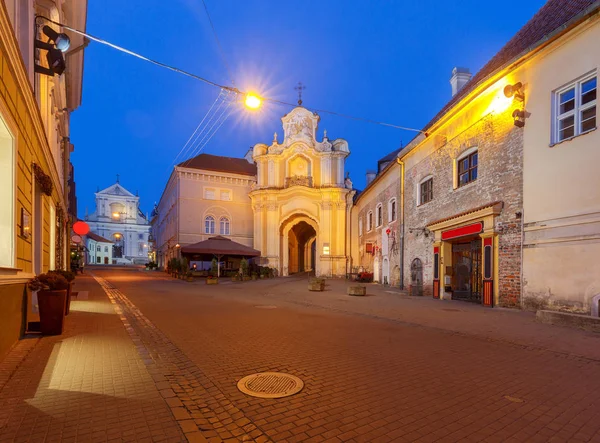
{"type": "Point", "coordinates": [401, 164]}
{"type": "Point", "coordinates": [522, 240]}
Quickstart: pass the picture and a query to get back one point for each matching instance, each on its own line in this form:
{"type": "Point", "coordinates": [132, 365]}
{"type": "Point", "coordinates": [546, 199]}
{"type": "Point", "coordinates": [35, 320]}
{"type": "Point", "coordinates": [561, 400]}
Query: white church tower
{"type": "Point", "coordinates": [118, 218]}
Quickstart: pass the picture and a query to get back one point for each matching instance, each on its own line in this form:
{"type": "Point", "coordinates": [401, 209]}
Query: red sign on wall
{"type": "Point", "coordinates": [475, 228]}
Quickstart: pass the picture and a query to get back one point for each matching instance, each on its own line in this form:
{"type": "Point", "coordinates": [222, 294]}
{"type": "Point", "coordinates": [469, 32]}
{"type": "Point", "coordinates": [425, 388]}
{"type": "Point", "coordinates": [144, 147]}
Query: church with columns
{"type": "Point", "coordinates": [118, 218]}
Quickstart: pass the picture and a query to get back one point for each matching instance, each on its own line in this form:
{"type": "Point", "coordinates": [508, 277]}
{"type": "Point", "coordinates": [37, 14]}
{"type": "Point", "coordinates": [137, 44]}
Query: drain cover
{"type": "Point", "coordinates": [270, 385]}
{"type": "Point", "coordinates": [266, 307]}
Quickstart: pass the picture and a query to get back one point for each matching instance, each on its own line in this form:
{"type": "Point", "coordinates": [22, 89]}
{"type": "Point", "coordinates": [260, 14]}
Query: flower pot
{"type": "Point", "coordinates": [68, 301]}
{"type": "Point", "coordinates": [246, 278]}
{"type": "Point", "coordinates": [190, 279]}
{"type": "Point", "coordinates": [255, 277]}
{"type": "Point", "coordinates": [52, 306]}
{"type": "Point", "coordinates": [212, 281]}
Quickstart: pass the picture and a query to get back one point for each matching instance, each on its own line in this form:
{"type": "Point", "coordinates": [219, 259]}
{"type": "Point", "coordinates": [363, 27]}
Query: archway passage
{"type": "Point", "coordinates": [300, 257]}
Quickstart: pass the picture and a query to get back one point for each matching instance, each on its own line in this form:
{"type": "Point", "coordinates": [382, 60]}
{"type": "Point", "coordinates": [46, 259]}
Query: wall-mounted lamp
{"type": "Point", "coordinates": [56, 61]}
{"type": "Point", "coordinates": [519, 116]}
{"type": "Point", "coordinates": [325, 248]}
{"type": "Point", "coordinates": [514, 91]}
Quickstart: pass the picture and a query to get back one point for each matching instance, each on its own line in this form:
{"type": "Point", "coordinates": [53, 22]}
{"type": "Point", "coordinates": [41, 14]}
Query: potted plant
{"type": "Point", "coordinates": [69, 276]}
{"type": "Point", "coordinates": [189, 276]}
{"type": "Point", "coordinates": [52, 293]}
{"type": "Point", "coordinates": [212, 280]}
{"type": "Point", "coordinates": [264, 272]}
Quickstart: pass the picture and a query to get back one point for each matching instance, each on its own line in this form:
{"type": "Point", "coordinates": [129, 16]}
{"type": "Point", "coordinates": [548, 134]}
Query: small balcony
{"type": "Point", "coordinates": [298, 180]}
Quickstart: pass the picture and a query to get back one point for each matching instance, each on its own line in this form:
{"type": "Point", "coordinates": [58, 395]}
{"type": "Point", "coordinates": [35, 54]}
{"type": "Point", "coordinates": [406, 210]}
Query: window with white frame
{"type": "Point", "coordinates": [392, 210]}
{"type": "Point", "coordinates": [575, 108]}
{"type": "Point", "coordinates": [209, 225]}
{"type": "Point", "coordinates": [7, 196]}
{"type": "Point", "coordinates": [209, 194]}
{"type": "Point", "coordinates": [425, 191]}
{"type": "Point", "coordinates": [379, 212]}
{"type": "Point", "coordinates": [360, 226]}
{"type": "Point", "coordinates": [224, 226]}
{"type": "Point", "coordinates": [369, 221]}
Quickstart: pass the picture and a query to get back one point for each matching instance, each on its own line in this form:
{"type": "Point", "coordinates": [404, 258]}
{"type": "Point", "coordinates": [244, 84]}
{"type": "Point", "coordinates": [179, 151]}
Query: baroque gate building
{"type": "Point", "coordinates": [300, 202]}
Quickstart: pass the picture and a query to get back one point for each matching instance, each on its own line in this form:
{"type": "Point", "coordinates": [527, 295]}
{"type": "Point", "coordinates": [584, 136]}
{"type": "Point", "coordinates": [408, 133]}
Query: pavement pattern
{"type": "Point", "coordinates": [380, 368]}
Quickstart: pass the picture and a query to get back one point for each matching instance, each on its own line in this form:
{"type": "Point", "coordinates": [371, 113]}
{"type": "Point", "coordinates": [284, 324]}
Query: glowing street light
{"type": "Point", "coordinates": [253, 101]}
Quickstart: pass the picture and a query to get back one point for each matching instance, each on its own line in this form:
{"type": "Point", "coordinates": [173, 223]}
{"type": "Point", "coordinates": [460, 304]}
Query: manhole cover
{"type": "Point", "coordinates": [266, 307]}
{"type": "Point", "coordinates": [450, 310]}
{"type": "Point", "coordinates": [270, 385]}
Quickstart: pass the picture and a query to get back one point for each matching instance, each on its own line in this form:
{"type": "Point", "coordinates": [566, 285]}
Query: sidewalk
{"type": "Point", "coordinates": [89, 384]}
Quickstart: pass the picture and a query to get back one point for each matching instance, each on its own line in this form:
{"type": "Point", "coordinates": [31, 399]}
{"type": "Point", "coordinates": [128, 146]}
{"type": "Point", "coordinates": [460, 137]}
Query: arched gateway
{"type": "Point", "coordinates": [300, 201]}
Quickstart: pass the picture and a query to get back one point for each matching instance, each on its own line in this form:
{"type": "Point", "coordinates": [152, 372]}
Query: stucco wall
{"type": "Point", "coordinates": [561, 183]}
{"type": "Point", "coordinates": [385, 187]}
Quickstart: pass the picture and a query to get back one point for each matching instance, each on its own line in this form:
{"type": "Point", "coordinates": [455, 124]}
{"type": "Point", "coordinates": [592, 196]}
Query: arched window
{"type": "Point", "coordinates": [392, 210]}
{"type": "Point", "coordinates": [106, 249]}
{"type": "Point", "coordinates": [98, 248]}
{"type": "Point", "coordinates": [369, 221]}
{"type": "Point", "coordinates": [224, 226]}
{"type": "Point", "coordinates": [379, 219]}
{"type": "Point", "coordinates": [209, 225]}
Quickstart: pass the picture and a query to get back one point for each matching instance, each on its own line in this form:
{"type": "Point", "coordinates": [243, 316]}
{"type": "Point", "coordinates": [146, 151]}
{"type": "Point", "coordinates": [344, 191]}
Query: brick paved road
{"type": "Point", "coordinates": [380, 368]}
{"type": "Point", "coordinates": [370, 378]}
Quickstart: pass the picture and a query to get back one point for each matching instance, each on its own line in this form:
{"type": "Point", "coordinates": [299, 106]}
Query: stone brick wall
{"type": "Point", "coordinates": [500, 165]}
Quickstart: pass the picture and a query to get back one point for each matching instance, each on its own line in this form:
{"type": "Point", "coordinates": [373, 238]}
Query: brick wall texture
{"type": "Point", "coordinates": [500, 166]}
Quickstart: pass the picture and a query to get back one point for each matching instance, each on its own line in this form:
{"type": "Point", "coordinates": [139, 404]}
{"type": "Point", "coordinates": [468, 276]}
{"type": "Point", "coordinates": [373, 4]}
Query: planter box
{"type": "Point", "coordinates": [212, 281]}
{"type": "Point", "coordinates": [246, 278]}
{"type": "Point", "coordinates": [357, 290]}
{"type": "Point", "coordinates": [317, 286]}
{"type": "Point", "coordinates": [52, 306]}
{"type": "Point", "coordinates": [68, 301]}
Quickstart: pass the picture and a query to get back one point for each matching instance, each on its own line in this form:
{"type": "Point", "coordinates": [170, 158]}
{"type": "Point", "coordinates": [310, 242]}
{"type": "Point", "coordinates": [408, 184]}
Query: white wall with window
{"type": "Point", "coordinates": [574, 108]}
{"type": "Point", "coordinates": [7, 196]}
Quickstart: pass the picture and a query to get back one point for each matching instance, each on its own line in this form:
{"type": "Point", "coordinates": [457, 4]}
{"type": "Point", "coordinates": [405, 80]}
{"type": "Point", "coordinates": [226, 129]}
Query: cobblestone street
{"type": "Point", "coordinates": [150, 358]}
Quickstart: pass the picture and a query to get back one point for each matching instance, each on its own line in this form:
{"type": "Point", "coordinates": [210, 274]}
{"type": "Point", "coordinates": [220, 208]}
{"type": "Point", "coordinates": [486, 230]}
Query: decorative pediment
{"type": "Point", "coordinates": [116, 189]}
{"type": "Point", "coordinates": [300, 124]}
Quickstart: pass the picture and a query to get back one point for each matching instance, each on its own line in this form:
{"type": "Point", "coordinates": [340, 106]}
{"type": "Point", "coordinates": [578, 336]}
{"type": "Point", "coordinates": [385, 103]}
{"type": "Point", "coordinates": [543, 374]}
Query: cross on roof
{"type": "Point", "coordinates": [300, 87]}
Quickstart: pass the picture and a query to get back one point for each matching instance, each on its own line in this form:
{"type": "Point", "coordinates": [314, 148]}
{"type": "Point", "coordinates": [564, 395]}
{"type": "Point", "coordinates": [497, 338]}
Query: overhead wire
{"type": "Point", "coordinates": [212, 83]}
{"type": "Point", "coordinates": [221, 51]}
{"type": "Point", "coordinates": [187, 143]}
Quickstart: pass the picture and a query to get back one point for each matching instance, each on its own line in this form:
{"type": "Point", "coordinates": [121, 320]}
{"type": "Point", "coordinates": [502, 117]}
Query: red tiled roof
{"type": "Point", "coordinates": [96, 237]}
{"type": "Point", "coordinates": [220, 164]}
{"type": "Point", "coordinates": [550, 18]}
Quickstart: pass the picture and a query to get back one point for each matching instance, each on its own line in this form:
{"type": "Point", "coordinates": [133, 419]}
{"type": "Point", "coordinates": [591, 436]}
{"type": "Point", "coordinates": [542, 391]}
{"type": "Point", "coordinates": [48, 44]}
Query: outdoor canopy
{"type": "Point", "coordinates": [220, 246]}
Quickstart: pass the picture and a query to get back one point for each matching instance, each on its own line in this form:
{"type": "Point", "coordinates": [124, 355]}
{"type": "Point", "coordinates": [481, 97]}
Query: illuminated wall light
{"type": "Point", "coordinates": [325, 248]}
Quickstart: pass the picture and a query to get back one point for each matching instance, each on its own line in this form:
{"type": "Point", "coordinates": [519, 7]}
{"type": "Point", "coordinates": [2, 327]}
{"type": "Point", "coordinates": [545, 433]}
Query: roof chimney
{"type": "Point", "coordinates": [370, 176]}
{"type": "Point", "coordinates": [460, 77]}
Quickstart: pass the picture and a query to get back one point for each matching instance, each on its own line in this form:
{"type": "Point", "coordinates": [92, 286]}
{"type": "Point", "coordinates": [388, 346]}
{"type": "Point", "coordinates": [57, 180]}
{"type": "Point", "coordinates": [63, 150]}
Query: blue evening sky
{"type": "Point", "coordinates": [386, 60]}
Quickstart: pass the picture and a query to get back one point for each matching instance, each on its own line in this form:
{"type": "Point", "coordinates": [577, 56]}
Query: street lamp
{"type": "Point", "coordinates": [252, 101]}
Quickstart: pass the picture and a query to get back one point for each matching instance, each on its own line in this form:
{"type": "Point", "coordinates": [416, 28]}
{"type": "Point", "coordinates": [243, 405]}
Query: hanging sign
{"type": "Point", "coordinates": [81, 228]}
{"type": "Point", "coordinates": [475, 228]}
{"type": "Point", "coordinates": [76, 239]}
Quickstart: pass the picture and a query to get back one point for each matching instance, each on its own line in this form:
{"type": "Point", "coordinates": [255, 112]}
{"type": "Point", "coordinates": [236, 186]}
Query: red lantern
{"type": "Point", "coordinates": [387, 231]}
{"type": "Point", "coordinates": [81, 228]}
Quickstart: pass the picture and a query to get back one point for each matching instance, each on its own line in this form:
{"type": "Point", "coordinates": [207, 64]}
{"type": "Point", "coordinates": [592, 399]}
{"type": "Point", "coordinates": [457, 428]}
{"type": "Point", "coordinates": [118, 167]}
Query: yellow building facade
{"type": "Point", "coordinates": [34, 155]}
{"type": "Point", "coordinates": [300, 200]}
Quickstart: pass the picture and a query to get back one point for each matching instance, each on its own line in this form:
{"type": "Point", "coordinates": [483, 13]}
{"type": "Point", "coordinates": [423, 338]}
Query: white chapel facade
{"type": "Point", "coordinates": [119, 219]}
{"type": "Point", "coordinates": [300, 201]}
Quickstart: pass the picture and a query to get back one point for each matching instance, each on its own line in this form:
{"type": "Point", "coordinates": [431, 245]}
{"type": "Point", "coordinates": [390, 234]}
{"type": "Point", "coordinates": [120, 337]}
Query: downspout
{"type": "Point", "coordinates": [522, 291]}
{"type": "Point", "coordinates": [401, 164]}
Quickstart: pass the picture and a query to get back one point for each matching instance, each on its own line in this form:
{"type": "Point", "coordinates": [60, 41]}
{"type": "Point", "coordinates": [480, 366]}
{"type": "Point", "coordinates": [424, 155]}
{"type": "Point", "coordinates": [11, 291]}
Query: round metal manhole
{"type": "Point", "coordinates": [270, 385]}
{"type": "Point", "coordinates": [266, 307]}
